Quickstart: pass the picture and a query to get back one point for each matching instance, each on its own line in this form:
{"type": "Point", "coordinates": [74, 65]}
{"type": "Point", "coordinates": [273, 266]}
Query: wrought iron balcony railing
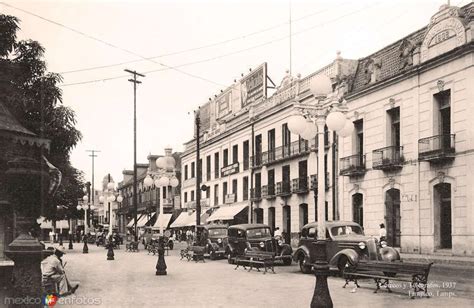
{"type": "Point", "coordinates": [268, 191]}
{"type": "Point", "coordinates": [353, 165]}
{"type": "Point", "coordinates": [438, 148]}
{"type": "Point", "coordinates": [256, 194]}
{"type": "Point", "coordinates": [300, 185]}
{"type": "Point", "coordinates": [283, 188]}
{"type": "Point", "coordinates": [388, 158]}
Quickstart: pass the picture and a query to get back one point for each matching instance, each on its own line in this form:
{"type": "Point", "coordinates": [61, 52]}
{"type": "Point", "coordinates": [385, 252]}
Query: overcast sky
{"type": "Point", "coordinates": [222, 38]}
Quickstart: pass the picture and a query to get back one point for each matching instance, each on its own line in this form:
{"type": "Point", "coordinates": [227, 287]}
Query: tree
{"type": "Point", "coordinates": [33, 97]}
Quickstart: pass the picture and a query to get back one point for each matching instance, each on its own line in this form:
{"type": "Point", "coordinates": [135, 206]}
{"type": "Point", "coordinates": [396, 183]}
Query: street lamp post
{"type": "Point", "coordinates": [164, 177]}
{"type": "Point", "coordinates": [308, 122]}
{"type": "Point", "coordinates": [110, 198]}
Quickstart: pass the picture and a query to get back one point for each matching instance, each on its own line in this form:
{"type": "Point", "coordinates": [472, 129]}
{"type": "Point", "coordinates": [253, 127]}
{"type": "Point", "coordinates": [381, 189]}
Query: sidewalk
{"type": "Point", "coordinates": [439, 259]}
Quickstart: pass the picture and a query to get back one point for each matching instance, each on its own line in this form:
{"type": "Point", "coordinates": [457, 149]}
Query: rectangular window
{"type": "Point", "coordinates": [303, 169]}
{"type": "Point", "coordinates": [235, 154]}
{"type": "Point", "coordinates": [326, 136]}
{"type": "Point", "coordinates": [394, 119]}
{"type": "Point", "coordinates": [258, 185]}
{"type": "Point", "coordinates": [185, 197]}
{"type": "Point", "coordinates": [286, 174]}
{"type": "Point", "coordinates": [192, 195]}
{"type": "Point", "coordinates": [216, 165]}
{"type": "Point", "coordinates": [225, 155]}
{"type": "Point", "coordinates": [359, 133]}
{"type": "Point", "coordinates": [224, 191]}
{"type": "Point", "coordinates": [443, 118]}
{"type": "Point", "coordinates": [193, 170]}
{"type": "Point", "coordinates": [185, 172]}
{"type": "Point", "coordinates": [246, 155]}
{"type": "Point", "coordinates": [164, 192]}
{"type": "Point", "coordinates": [216, 194]}
{"type": "Point", "coordinates": [258, 150]}
{"type": "Point", "coordinates": [271, 182]}
{"type": "Point", "coordinates": [208, 193]}
{"type": "Point", "coordinates": [208, 167]}
{"type": "Point", "coordinates": [234, 188]}
{"type": "Point", "coordinates": [245, 188]}
{"type": "Point", "coordinates": [271, 145]}
{"type": "Point", "coordinates": [286, 140]}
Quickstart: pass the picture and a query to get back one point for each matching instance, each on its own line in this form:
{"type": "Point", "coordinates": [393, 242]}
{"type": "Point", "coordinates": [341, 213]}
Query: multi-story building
{"type": "Point", "coordinates": [407, 164]}
{"type": "Point", "coordinates": [409, 161]}
{"type": "Point", "coordinates": [148, 198]}
{"type": "Point", "coordinates": [252, 161]}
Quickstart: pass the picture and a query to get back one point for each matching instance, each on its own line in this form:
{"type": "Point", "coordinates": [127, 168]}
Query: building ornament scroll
{"type": "Point", "coordinates": [391, 182]}
{"type": "Point", "coordinates": [440, 85]}
{"type": "Point", "coordinates": [445, 25]}
{"type": "Point", "coordinates": [406, 53]}
{"type": "Point", "coordinates": [441, 176]}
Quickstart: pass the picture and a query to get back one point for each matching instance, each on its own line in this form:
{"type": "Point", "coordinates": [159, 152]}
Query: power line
{"type": "Point", "coordinates": [240, 37]}
{"type": "Point", "coordinates": [224, 55]}
{"type": "Point", "coordinates": [112, 45]}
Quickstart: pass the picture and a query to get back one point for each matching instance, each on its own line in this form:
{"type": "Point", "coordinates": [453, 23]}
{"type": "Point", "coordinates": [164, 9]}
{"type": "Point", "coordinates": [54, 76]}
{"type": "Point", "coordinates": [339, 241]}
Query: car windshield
{"type": "Point", "coordinates": [346, 230]}
{"type": "Point", "coordinates": [259, 232]}
{"type": "Point", "coordinates": [217, 232]}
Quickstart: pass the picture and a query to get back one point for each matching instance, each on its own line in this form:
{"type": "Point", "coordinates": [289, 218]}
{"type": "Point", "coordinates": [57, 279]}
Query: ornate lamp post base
{"type": "Point", "coordinates": [321, 295]}
{"type": "Point", "coordinates": [85, 249]}
{"type": "Point", "coordinates": [110, 252]}
{"type": "Point", "coordinates": [161, 264]}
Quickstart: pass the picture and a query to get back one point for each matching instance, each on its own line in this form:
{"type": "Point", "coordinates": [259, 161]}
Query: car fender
{"type": "Point", "coordinates": [302, 250]}
{"type": "Point", "coordinates": [286, 250]}
{"type": "Point", "coordinates": [389, 254]}
{"type": "Point", "coordinates": [351, 255]}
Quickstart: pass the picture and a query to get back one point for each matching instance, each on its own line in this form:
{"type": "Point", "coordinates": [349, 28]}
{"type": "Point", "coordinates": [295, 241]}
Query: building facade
{"type": "Point", "coordinates": [409, 161]}
{"type": "Point", "coordinates": [148, 198]}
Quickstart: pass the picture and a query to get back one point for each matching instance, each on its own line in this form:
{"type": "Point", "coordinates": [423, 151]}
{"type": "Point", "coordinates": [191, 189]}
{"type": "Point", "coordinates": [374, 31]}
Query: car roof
{"type": "Point", "coordinates": [248, 226]}
{"type": "Point", "coordinates": [330, 224]}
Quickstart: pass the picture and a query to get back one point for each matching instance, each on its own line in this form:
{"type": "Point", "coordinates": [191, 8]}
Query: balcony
{"type": "Point", "coordinates": [255, 194]}
{"type": "Point", "coordinates": [299, 185]}
{"type": "Point", "coordinates": [314, 182]}
{"type": "Point", "coordinates": [353, 165]}
{"type": "Point", "coordinates": [268, 191]}
{"type": "Point", "coordinates": [436, 149]}
{"type": "Point", "coordinates": [388, 158]}
{"type": "Point", "coordinates": [283, 188]}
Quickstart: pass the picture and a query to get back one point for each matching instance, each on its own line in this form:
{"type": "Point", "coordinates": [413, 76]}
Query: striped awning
{"type": "Point", "coordinates": [131, 223]}
{"type": "Point", "coordinates": [227, 212]}
{"type": "Point", "coordinates": [163, 219]}
{"type": "Point", "coordinates": [181, 220]}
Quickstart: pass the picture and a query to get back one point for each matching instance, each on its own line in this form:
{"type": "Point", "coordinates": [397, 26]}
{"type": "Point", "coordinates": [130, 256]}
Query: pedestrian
{"type": "Point", "coordinates": [277, 232]}
{"type": "Point", "coordinates": [382, 232]}
{"type": "Point", "coordinates": [52, 270]}
{"type": "Point", "coordinates": [51, 236]}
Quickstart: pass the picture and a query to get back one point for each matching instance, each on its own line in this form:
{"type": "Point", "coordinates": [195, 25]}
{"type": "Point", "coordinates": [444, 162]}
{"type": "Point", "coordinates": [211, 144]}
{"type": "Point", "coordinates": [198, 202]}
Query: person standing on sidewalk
{"type": "Point", "coordinates": [382, 233]}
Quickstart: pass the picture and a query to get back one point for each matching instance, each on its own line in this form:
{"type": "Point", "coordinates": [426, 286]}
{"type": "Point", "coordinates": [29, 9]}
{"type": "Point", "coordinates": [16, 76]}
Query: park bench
{"type": "Point", "coordinates": [153, 248]}
{"type": "Point", "coordinates": [131, 247]}
{"type": "Point", "coordinates": [193, 252]}
{"type": "Point", "coordinates": [384, 271]}
{"type": "Point", "coordinates": [256, 259]}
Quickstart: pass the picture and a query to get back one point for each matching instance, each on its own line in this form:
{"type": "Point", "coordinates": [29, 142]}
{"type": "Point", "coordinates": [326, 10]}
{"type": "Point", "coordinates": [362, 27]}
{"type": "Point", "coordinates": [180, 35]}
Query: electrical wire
{"type": "Point", "coordinates": [224, 55]}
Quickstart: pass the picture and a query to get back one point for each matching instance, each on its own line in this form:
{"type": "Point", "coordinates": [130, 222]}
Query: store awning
{"type": "Point", "coordinates": [163, 219]}
{"type": "Point", "coordinates": [227, 212]}
{"type": "Point", "coordinates": [142, 221]}
{"type": "Point", "coordinates": [132, 222]}
{"type": "Point", "coordinates": [181, 220]}
{"type": "Point", "coordinates": [48, 224]}
{"type": "Point", "coordinates": [192, 219]}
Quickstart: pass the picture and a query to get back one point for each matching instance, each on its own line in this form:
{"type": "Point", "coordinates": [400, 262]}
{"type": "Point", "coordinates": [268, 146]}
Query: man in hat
{"type": "Point", "coordinates": [52, 269]}
{"type": "Point", "coordinates": [382, 232]}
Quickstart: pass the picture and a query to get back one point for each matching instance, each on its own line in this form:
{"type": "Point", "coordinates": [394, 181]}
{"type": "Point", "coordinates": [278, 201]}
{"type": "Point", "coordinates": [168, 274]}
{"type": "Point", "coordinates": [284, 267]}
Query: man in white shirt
{"type": "Point", "coordinates": [382, 232]}
{"type": "Point", "coordinates": [52, 270]}
{"type": "Point", "coordinates": [277, 232]}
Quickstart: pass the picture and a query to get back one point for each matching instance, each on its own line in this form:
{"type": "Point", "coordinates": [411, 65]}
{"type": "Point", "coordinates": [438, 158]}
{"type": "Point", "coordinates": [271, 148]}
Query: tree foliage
{"type": "Point", "coordinates": [32, 95]}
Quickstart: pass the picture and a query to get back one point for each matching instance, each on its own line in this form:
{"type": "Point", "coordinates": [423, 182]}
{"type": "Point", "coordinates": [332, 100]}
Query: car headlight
{"type": "Point", "coordinates": [245, 250]}
{"type": "Point", "coordinates": [219, 240]}
{"type": "Point", "coordinates": [362, 245]}
{"type": "Point", "coordinates": [280, 242]}
{"type": "Point", "coordinates": [262, 244]}
{"type": "Point", "coordinates": [383, 244]}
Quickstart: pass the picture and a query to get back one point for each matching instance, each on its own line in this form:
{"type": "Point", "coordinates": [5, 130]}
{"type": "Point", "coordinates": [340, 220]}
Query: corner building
{"type": "Point", "coordinates": [409, 163]}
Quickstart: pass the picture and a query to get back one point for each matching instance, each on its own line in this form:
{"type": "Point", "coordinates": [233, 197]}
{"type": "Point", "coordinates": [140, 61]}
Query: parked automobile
{"type": "Point", "coordinates": [214, 238]}
{"type": "Point", "coordinates": [152, 234]}
{"type": "Point", "coordinates": [346, 245]}
{"type": "Point", "coordinates": [255, 237]}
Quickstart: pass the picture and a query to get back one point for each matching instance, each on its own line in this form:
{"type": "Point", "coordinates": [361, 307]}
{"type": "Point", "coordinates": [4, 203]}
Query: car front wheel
{"type": "Point", "coordinates": [305, 269]}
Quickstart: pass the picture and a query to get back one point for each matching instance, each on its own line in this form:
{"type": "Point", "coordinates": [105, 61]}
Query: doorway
{"type": "Point", "coordinates": [258, 216]}
{"type": "Point", "coordinates": [392, 216]}
{"type": "Point", "coordinates": [303, 215]}
{"type": "Point", "coordinates": [287, 223]}
{"type": "Point", "coordinates": [271, 218]}
{"type": "Point", "coordinates": [442, 214]}
{"type": "Point", "coordinates": [358, 209]}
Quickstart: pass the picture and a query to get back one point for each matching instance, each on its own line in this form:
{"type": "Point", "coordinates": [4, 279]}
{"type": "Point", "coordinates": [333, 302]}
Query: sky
{"type": "Point", "coordinates": [197, 49]}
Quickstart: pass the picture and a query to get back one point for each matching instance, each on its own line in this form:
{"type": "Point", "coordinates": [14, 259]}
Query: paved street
{"type": "Point", "coordinates": [130, 281]}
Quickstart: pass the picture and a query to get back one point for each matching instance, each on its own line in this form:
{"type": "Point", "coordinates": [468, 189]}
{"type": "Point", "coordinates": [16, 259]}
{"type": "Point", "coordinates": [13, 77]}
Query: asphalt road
{"type": "Point", "coordinates": [130, 281]}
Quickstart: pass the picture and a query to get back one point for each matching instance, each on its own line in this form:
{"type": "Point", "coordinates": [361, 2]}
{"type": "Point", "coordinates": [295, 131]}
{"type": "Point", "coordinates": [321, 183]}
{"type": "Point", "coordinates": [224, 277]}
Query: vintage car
{"type": "Point", "coordinates": [346, 245]}
{"type": "Point", "coordinates": [214, 237]}
{"type": "Point", "coordinates": [151, 236]}
{"type": "Point", "coordinates": [255, 237]}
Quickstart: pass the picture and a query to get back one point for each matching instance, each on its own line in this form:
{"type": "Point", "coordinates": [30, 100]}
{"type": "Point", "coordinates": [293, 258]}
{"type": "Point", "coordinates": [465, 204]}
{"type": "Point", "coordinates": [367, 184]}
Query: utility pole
{"type": "Point", "coordinates": [198, 170]}
{"type": "Point", "coordinates": [92, 155]}
{"type": "Point", "coordinates": [135, 82]}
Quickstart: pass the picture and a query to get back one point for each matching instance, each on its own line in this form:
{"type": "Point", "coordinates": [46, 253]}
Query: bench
{"type": "Point", "coordinates": [384, 271]}
{"type": "Point", "coordinates": [193, 252]}
{"type": "Point", "coordinates": [131, 247]}
{"type": "Point", "coordinates": [256, 259]}
{"type": "Point", "coordinates": [153, 248]}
